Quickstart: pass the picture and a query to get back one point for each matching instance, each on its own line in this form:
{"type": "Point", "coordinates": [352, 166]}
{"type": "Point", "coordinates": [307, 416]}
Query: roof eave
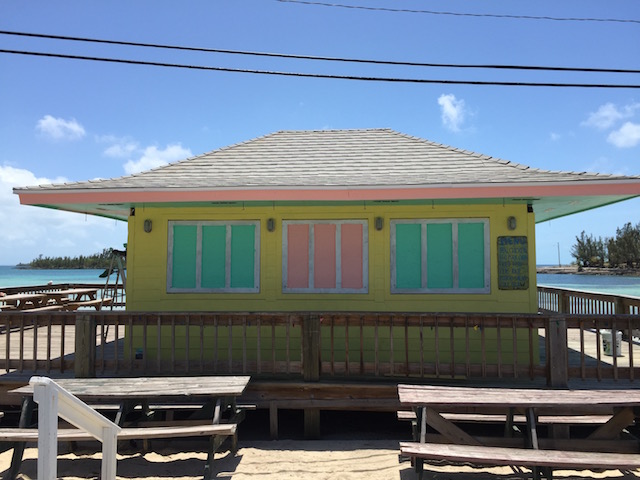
{"type": "Point", "coordinates": [52, 196]}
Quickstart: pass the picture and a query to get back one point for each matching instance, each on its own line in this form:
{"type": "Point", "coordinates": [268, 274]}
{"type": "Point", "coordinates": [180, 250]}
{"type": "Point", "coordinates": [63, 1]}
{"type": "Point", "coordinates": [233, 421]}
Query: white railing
{"type": "Point", "coordinates": [54, 401]}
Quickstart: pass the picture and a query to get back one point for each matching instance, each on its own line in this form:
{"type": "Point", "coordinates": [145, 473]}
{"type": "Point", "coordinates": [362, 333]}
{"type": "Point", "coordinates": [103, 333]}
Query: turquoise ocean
{"type": "Point", "coordinates": [611, 284]}
{"type": "Point", "coordinates": [14, 277]}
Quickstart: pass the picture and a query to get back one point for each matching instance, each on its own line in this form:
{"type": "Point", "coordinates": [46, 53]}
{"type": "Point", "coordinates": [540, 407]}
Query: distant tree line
{"type": "Point", "coordinates": [98, 260]}
{"type": "Point", "coordinates": [623, 250]}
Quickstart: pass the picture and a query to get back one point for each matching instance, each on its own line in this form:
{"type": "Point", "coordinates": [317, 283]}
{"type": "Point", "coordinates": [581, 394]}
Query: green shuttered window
{"type": "Point", "coordinates": [440, 256]}
{"type": "Point", "coordinates": [214, 257]}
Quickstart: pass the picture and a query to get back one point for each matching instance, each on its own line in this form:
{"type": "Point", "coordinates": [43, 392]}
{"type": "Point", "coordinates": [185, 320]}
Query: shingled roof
{"type": "Point", "coordinates": [371, 164]}
{"type": "Point", "coordinates": [335, 158]}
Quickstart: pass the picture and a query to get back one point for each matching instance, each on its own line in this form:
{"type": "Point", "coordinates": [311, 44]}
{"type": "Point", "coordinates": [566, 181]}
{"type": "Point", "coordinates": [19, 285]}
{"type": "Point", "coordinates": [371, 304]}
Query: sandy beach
{"type": "Point", "coordinates": [271, 460]}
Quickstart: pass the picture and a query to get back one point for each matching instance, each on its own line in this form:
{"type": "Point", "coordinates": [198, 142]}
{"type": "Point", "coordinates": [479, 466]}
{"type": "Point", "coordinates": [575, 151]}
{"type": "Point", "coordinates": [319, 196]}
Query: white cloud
{"type": "Point", "coordinates": [453, 111]}
{"type": "Point", "coordinates": [30, 231]}
{"type": "Point", "coordinates": [153, 157]}
{"type": "Point", "coordinates": [121, 150]}
{"type": "Point", "coordinates": [609, 114]}
{"type": "Point", "coordinates": [626, 136]}
{"type": "Point", "coordinates": [555, 136]}
{"type": "Point", "coordinates": [59, 128]}
{"type": "Point", "coordinates": [119, 147]}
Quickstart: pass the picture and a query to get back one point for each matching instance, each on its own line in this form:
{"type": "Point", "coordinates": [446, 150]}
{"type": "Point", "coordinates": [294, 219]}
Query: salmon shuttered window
{"type": "Point", "coordinates": [325, 256]}
{"type": "Point", "coordinates": [214, 257]}
{"type": "Point", "coordinates": [440, 256]}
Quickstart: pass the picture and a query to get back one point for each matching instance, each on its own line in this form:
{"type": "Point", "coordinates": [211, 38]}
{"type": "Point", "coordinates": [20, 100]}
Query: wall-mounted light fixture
{"type": "Point", "coordinates": [379, 223]}
{"type": "Point", "coordinates": [148, 225]}
{"type": "Point", "coordinates": [271, 224]}
{"type": "Point", "coordinates": [512, 223]}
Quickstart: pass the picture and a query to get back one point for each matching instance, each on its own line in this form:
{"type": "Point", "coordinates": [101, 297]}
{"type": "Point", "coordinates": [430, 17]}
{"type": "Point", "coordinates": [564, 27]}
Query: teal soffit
{"type": "Point", "coordinates": [547, 208]}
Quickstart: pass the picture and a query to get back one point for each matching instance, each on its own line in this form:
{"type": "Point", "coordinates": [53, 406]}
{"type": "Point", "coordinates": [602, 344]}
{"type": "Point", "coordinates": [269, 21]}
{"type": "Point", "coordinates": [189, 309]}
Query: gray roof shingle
{"type": "Point", "coordinates": [378, 158]}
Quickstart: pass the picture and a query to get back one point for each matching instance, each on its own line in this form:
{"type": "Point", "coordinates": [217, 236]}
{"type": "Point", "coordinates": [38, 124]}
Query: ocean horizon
{"type": "Point", "coordinates": [10, 276]}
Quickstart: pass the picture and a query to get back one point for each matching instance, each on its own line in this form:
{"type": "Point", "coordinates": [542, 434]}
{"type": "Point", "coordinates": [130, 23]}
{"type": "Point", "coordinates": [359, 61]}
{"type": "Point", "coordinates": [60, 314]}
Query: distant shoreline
{"type": "Point", "coordinates": [573, 269]}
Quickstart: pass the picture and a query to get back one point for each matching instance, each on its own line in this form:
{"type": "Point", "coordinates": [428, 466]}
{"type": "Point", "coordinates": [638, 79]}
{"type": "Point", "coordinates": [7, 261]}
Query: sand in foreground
{"type": "Point", "coordinates": [271, 460]}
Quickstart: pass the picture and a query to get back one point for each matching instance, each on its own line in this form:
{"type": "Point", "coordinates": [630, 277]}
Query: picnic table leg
{"type": "Point", "coordinates": [26, 416]}
{"type": "Point", "coordinates": [508, 428]}
{"type": "Point", "coordinates": [214, 444]}
{"type": "Point", "coordinates": [125, 408]}
{"type": "Point", "coordinates": [421, 420]}
{"type": "Point", "coordinates": [533, 443]}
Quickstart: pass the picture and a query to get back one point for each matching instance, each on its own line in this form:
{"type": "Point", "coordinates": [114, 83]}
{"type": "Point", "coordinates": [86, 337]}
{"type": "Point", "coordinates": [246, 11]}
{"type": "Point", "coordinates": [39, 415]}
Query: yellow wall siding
{"type": "Point", "coordinates": [148, 252]}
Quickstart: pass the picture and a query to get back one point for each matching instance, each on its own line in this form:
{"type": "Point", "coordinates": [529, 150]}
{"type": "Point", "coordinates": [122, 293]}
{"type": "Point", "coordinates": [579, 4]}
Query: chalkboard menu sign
{"type": "Point", "coordinates": [513, 263]}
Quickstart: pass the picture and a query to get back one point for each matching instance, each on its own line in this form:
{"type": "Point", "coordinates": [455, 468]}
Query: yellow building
{"type": "Point", "coordinates": [342, 220]}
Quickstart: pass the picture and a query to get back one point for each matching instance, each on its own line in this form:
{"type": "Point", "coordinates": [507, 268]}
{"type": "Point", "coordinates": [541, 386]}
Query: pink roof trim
{"type": "Point", "coordinates": [338, 194]}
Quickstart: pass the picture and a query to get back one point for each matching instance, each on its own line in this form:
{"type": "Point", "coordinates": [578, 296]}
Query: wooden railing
{"type": "Point", "coordinates": [563, 300]}
{"type": "Point", "coordinates": [524, 347]}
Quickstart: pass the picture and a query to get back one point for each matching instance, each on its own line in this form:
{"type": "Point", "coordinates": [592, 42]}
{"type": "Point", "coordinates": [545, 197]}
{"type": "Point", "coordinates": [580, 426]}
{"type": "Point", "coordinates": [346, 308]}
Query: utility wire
{"type": "Point", "coordinates": [317, 75]}
{"type": "Point", "coordinates": [320, 58]}
{"type": "Point", "coordinates": [460, 14]}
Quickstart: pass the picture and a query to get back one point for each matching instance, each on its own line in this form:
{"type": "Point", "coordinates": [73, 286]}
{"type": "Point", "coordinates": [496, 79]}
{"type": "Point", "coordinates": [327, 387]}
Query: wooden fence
{"type": "Point", "coordinates": [563, 300]}
{"type": "Point", "coordinates": [310, 347]}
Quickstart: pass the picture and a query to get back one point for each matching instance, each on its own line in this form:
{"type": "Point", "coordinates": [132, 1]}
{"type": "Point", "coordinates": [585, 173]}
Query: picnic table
{"type": "Point", "coordinates": [215, 396]}
{"type": "Point", "coordinates": [431, 404]}
{"type": "Point", "coordinates": [74, 298]}
{"type": "Point", "coordinates": [50, 300]}
{"type": "Point", "coordinates": [22, 301]}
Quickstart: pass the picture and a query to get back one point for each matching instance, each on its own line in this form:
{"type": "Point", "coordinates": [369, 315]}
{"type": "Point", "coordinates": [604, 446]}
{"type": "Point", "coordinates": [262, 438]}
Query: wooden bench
{"type": "Point", "coordinates": [507, 456]}
{"type": "Point", "coordinates": [410, 415]}
{"type": "Point", "coordinates": [46, 308]}
{"type": "Point", "coordinates": [217, 432]}
{"type": "Point", "coordinates": [97, 303]}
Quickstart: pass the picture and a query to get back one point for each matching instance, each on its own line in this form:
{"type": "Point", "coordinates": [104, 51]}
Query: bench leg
{"type": "Point", "coordinates": [26, 415]}
{"type": "Point", "coordinates": [214, 444]}
{"type": "Point", "coordinates": [539, 472]}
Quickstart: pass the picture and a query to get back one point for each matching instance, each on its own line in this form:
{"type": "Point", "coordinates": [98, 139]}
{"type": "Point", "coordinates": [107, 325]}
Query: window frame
{"type": "Point", "coordinates": [228, 224]}
{"type": "Point", "coordinates": [338, 289]}
{"type": "Point", "coordinates": [455, 289]}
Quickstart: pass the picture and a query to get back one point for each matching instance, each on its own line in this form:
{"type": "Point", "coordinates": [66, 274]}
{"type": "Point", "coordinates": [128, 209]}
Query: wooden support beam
{"type": "Point", "coordinates": [558, 354]}
{"type": "Point", "coordinates": [622, 419]}
{"type": "Point", "coordinates": [85, 352]}
{"type": "Point", "coordinates": [311, 370]}
{"type": "Point", "coordinates": [448, 429]}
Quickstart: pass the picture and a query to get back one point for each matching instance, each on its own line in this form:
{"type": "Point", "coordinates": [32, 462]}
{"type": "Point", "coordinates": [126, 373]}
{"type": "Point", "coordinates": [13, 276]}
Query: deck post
{"type": "Point", "coordinates": [558, 358]}
{"type": "Point", "coordinates": [563, 302]}
{"type": "Point", "coordinates": [558, 354]}
{"type": "Point", "coordinates": [311, 370]}
{"type": "Point", "coordinates": [621, 306]}
{"type": "Point", "coordinates": [85, 354]}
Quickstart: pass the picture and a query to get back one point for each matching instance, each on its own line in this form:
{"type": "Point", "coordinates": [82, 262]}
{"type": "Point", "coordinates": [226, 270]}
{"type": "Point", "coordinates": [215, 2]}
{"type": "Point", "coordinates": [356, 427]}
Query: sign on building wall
{"type": "Point", "coordinates": [513, 263]}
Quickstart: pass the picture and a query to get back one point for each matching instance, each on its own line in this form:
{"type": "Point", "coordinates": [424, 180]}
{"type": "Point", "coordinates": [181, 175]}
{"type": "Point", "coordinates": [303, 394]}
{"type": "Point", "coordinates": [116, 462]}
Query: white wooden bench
{"type": "Point", "coordinates": [487, 455]}
{"type": "Point", "coordinates": [217, 433]}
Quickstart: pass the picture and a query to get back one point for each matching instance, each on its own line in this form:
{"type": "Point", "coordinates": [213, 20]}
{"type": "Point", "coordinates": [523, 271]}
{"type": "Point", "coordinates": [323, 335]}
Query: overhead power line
{"type": "Point", "coordinates": [461, 14]}
{"type": "Point", "coordinates": [319, 58]}
{"type": "Point", "coordinates": [318, 75]}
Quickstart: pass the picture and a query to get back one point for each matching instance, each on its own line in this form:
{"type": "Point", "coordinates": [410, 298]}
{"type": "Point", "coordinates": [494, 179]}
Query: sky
{"type": "Point", "coordinates": [74, 120]}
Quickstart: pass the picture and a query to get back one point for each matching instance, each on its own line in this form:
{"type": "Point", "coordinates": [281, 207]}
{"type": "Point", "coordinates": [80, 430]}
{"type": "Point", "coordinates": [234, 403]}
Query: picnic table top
{"type": "Point", "coordinates": [21, 296]}
{"type": "Point", "coordinates": [149, 387]}
{"type": "Point", "coordinates": [71, 291]}
{"type": "Point", "coordinates": [433, 395]}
